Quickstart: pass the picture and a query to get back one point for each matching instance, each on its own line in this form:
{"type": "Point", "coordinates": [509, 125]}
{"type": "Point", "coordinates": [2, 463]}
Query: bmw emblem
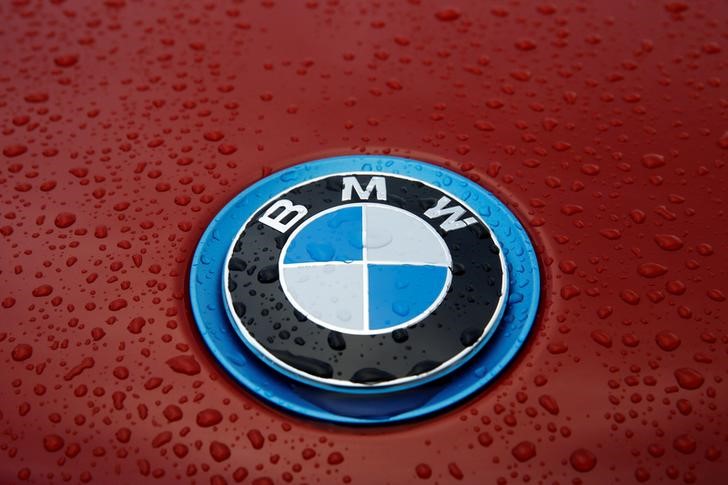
{"type": "Point", "coordinates": [364, 289]}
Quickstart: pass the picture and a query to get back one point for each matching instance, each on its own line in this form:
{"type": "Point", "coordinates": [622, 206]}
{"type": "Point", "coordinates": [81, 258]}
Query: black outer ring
{"type": "Point", "coordinates": [457, 324]}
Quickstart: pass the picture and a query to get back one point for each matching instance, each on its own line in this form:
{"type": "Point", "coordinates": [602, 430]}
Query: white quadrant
{"type": "Point", "coordinates": [396, 236]}
{"type": "Point", "coordinates": [331, 293]}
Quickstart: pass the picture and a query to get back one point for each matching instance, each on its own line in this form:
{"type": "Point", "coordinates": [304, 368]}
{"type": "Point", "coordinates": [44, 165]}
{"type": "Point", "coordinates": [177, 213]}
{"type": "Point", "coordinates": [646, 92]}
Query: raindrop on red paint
{"type": "Point", "coordinates": [651, 270]}
{"type": "Point", "coordinates": [685, 444]}
{"type": "Point", "coordinates": [184, 364]}
{"type": "Point", "coordinates": [653, 160]}
{"type": "Point", "coordinates": [66, 60]}
{"type": "Point", "coordinates": [448, 14]}
{"type": "Point", "coordinates": [11, 151]}
{"type": "Point", "coordinates": [117, 304]}
{"type": "Point", "coordinates": [689, 378]}
{"type": "Point", "coordinates": [583, 460]}
{"type": "Point", "coordinates": [455, 471]}
{"type": "Point", "coordinates": [485, 439]}
{"type": "Point", "coordinates": [668, 242]}
{"type": "Point", "coordinates": [524, 451]}
{"type": "Point", "coordinates": [43, 290]}
{"type": "Point", "coordinates": [602, 338]}
{"type": "Point", "coordinates": [549, 404]}
{"type": "Point", "coordinates": [172, 413]}
{"type": "Point", "coordinates": [423, 471]}
{"type": "Point", "coordinates": [256, 438]}
{"type": "Point", "coordinates": [667, 341]}
{"type": "Point", "coordinates": [53, 442]}
{"type": "Point", "coordinates": [219, 451]}
{"type": "Point", "coordinates": [22, 352]}
{"type": "Point", "coordinates": [226, 149]}
{"type": "Point", "coordinates": [641, 475]}
{"type": "Point", "coordinates": [335, 458]}
{"type": "Point", "coordinates": [208, 417]}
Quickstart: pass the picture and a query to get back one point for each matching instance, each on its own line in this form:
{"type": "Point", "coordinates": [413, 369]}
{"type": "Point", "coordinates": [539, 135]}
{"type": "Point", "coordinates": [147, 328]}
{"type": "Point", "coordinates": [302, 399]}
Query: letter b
{"type": "Point", "coordinates": [287, 215]}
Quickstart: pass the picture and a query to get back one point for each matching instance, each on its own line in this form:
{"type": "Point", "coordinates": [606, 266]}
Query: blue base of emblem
{"type": "Point", "coordinates": [208, 304]}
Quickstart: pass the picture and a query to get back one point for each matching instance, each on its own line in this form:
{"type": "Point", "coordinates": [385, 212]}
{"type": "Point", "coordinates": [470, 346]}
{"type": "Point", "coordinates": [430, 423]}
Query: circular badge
{"type": "Point", "coordinates": [365, 280]}
{"type": "Point", "coordinates": [364, 289]}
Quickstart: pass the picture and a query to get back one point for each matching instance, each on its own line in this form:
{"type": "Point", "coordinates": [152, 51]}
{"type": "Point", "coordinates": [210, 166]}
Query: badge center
{"type": "Point", "coordinates": [365, 269]}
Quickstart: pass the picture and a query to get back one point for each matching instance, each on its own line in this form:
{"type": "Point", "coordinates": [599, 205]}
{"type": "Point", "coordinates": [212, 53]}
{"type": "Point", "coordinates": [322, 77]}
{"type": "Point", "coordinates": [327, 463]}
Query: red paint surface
{"type": "Point", "coordinates": [127, 125]}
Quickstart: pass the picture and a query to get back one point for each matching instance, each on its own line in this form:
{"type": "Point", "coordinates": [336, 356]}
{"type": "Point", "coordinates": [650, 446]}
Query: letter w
{"type": "Point", "coordinates": [454, 214]}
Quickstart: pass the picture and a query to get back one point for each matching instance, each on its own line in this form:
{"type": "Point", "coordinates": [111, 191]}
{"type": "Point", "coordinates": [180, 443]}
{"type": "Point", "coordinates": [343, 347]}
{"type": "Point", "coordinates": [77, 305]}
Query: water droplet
{"type": "Point", "coordinates": [582, 460]}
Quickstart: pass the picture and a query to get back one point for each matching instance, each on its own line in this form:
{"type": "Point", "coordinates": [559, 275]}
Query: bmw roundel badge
{"type": "Point", "coordinates": [364, 289]}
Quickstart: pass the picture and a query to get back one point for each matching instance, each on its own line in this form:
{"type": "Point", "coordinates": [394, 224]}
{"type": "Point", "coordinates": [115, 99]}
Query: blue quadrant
{"type": "Point", "coordinates": [335, 236]}
{"type": "Point", "coordinates": [398, 293]}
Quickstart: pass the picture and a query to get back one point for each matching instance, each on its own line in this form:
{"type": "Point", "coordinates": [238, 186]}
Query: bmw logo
{"type": "Point", "coordinates": [364, 289]}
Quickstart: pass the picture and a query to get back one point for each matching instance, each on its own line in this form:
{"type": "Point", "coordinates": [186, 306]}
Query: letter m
{"type": "Point", "coordinates": [376, 184]}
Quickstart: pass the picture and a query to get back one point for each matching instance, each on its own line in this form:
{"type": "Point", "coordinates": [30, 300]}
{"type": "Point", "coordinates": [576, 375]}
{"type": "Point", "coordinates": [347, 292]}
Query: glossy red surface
{"type": "Point", "coordinates": [127, 125]}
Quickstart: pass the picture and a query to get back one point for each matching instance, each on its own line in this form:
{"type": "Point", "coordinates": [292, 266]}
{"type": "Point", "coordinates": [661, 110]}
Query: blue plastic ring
{"type": "Point", "coordinates": [208, 306]}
